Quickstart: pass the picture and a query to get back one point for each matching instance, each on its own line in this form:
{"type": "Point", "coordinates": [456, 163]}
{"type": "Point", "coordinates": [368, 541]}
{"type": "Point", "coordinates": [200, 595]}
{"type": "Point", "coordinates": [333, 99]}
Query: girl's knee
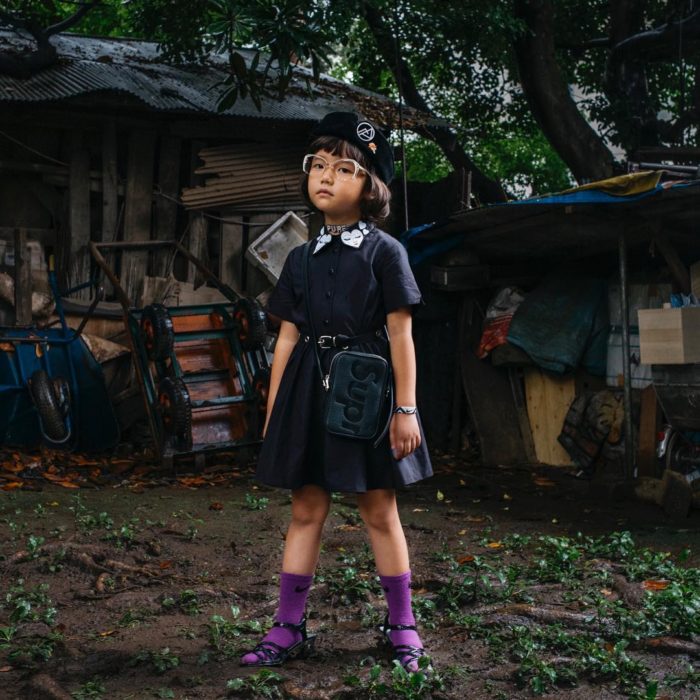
{"type": "Point", "coordinates": [310, 506]}
{"type": "Point", "coordinates": [379, 513]}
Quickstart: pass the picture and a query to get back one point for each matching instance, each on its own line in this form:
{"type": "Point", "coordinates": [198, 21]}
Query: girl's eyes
{"type": "Point", "coordinates": [318, 166]}
{"type": "Point", "coordinates": [344, 169]}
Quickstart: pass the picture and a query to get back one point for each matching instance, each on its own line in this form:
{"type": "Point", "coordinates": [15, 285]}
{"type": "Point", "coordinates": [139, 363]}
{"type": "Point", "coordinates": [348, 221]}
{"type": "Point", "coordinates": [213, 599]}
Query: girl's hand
{"type": "Point", "coordinates": [404, 434]}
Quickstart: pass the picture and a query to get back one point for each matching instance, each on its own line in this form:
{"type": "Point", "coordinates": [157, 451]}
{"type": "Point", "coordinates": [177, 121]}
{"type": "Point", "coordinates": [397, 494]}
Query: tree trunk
{"type": "Point", "coordinates": [486, 189]}
{"type": "Point", "coordinates": [549, 98]}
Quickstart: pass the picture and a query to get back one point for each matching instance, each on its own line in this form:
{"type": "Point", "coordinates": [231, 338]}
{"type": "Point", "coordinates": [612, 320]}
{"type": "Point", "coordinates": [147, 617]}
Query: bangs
{"type": "Point", "coordinates": [341, 148]}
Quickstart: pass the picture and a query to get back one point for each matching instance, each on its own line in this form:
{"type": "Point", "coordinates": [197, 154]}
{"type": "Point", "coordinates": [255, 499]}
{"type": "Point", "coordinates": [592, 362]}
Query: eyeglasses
{"type": "Point", "coordinates": [343, 169]}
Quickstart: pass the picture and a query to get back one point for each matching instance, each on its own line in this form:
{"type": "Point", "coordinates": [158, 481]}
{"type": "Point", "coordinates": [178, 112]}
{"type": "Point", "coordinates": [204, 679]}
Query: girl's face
{"type": "Point", "coordinates": [338, 200]}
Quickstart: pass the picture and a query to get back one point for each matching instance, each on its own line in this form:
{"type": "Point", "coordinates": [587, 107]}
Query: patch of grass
{"type": "Point", "coordinates": [187, 601]}
{"type": "Point", "coordinates": [409, 685]}
{"type": "Point", "coordinates": [90, 690]}
{"type": "Point", "coordinates": [124, 536]}
{"type": "Point", "coordinates": [88, 521]}
{"type": "Point", "coordinates": [263, 684]}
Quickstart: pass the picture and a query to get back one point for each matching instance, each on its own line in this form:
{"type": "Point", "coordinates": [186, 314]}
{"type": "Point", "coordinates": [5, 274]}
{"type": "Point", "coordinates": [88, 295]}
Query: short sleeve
{"type": "Point", "coordinates": [282, 301]}
{"type": "Point", "coordinates": [399, 286]}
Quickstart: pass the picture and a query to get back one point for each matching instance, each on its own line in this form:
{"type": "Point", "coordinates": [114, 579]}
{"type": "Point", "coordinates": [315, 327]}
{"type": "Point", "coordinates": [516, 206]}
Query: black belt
{"type": "Point", "coordinates": [326, 342]}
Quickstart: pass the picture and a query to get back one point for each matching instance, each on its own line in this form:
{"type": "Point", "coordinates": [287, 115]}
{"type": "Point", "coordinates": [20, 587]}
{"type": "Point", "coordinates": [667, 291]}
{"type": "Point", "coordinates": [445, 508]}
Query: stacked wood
{"type": "Point", "coordinates": [250, 173]}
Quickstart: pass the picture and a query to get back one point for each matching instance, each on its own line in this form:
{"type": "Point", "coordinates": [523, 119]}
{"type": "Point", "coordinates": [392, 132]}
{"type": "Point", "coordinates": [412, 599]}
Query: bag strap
{"type": "Point", "coordinates": [312, 331]}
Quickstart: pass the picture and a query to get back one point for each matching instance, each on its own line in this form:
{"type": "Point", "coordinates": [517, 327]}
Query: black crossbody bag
{"type": "Point", "coordinates": [357, 385]}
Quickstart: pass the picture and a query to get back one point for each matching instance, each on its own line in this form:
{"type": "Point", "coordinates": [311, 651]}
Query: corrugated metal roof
{"type": "Point", "coordinates": [89, 65]}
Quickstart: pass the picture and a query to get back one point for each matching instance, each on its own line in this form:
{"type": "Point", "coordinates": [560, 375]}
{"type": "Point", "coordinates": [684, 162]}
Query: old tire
{"type": "Point", "coordinates": [252, 323]}
{"type": "Point", "coordinates": [157, 332]}
{"type": "Point", "coordinates": [51, 405]}
{"type": "Point", "coordinates": [176, 412]}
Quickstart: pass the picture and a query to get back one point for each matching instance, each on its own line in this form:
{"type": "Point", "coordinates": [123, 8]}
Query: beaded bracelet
{"type": "Point", "coordinates": [408, 410]}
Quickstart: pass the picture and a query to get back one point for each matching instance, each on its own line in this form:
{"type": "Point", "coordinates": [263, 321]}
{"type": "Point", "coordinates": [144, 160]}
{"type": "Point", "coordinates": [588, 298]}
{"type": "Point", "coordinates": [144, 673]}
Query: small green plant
{"type": "Point", "coordinates": [34, 544]}
{"type": "Point", "coordinates": [225, 635]}
{"type": "Point", "coordinates": [133, 617]}
{"type": "Point", "coordinates": [409, 685]}
{"type": "Point", "coordinates": [263, 684]}
{"type": "Point", "coordinates": [253, 502]}
{"type": "Point", "coordinates": [86, 520]}
{"type": "Point", "coordinates": [124, 536]}
{"type": "Point", "coordinates": [160, 661]}
{"type": "Point", "coordinates": [347, 585]}
{"type": "Point", "coordinates": [91, 690]}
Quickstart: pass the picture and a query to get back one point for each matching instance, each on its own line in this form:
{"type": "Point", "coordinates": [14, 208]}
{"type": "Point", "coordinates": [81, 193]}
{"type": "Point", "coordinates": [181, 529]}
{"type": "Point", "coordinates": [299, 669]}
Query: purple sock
{"type": "Point", "coordinates": [397, 590]}
{"type": "Point", "coordinates": [294, 589]}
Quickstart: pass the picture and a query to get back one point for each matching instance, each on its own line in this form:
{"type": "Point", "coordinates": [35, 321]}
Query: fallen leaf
{"type": "Point", "coordinates": [543, 481]}
{"type": "Point", "coordinates": [7, 347]}
{"type": "Point", "coordinates": [495, 545]}
{"type": "Point", "coordinates": [606, 591]}
{"type": "Point", "coordinates": [465, 559]}
{"type": "Point", "coordinates": [216, 505]}
{"type": "Point", "coordinates": [420, 510]}
{"type": "Point", "coordinates": [507, 497]}
{"type": "Point", "coordinates": [651, 585]}
{"type": "Point", "coordinates": [12, 485]}
{"type": "Point", "coordinates": [67, 484]}
{"type": "Point", "coordinates": [440, 495]}
{"type": "Point", "coordinates": [107, 633]}
{"type": "Point", "coordinates": [54, 504]}
{"type": "Point", "coordinates": [12, 467]}
{"type": "Point", "coordinates": [166, 564]}
{"type": "Point", "coordinates": [5, 669]}
{"type": "Point", "coordinates": [346, 527]}
{"type": "Point", "coordinates": [476, 518]}
{"type": "Point", "coordinates": [462, 482]}
{"type": "Point", "coordinates": [462, 532]}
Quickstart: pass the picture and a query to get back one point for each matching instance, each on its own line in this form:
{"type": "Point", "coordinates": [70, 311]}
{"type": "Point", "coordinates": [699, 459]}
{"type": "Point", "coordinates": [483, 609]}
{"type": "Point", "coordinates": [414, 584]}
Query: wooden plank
{"type": "Point", "coordinates": [110, 207]}
{"type": "Point", "coordinates": [489, 396]}
{"type": "Point", "coordinates": [165, 204]}
{"type": "Point", "coordinates": [23, 279]}
{"type": "Point", "coordinates": [649, 423]}
{"type": "Point", "coordinates": [523, 419]}
{"type": "Point", "coordinates": [138, 208]}
{"type": "Point", "coordinates": [79, 211]}
{"type": "Point", "coordinates": [548, 399]}
{"type": "Point", "coordinates": [197, 245]}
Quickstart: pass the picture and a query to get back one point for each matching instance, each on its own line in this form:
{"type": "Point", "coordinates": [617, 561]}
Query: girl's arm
{"type": "Point", "coordinates": [404, 434]}
{"type": "Point", "coordinates": [286, 340]}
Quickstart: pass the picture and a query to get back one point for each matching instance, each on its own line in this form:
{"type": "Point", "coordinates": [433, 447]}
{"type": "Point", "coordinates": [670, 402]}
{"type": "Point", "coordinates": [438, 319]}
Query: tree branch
{"type": "Point", "coordinates": [73, 19]}
{"type": "Point", "coordinates": [549, 98]}
{"type": "Point", "coordinates": [661, 42]}
{"type": "Point", "coordinates": [486, 189]}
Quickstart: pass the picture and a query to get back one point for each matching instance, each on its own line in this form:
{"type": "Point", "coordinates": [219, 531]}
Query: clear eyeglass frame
{"type": "Point", "coordinates": [343, 169]}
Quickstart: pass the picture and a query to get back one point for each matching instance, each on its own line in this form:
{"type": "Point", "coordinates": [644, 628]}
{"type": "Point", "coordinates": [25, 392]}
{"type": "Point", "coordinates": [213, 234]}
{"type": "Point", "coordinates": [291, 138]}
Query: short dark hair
{"type": "Point", "coordinates": [375, 207]}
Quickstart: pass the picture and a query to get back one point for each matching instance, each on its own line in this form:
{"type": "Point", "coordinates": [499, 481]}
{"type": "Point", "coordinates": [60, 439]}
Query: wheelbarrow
{"type": "Point", "coordinates": [203, 370]}
{"type": "Point", "coordinates": [51, 387]}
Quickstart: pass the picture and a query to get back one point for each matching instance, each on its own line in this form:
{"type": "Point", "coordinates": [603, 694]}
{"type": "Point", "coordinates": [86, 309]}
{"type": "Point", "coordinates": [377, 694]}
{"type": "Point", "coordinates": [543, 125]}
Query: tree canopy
{"type": "Point", "coordinates": [539, 93]}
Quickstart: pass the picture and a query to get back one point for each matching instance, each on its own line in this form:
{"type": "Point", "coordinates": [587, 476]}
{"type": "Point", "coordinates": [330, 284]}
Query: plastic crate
{"type": "Point", "coordinates": [269, 251]}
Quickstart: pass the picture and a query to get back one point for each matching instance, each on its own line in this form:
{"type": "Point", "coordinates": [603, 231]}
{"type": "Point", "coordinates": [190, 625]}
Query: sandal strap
{"type": "Point", "coordinates": [265, 650]}
{"type": "Point", "coordinates": [386, 627]}
{"type": "Point", "coordinates": [409, 650]}
{"type": "Point", "coordinates": [296, 626]}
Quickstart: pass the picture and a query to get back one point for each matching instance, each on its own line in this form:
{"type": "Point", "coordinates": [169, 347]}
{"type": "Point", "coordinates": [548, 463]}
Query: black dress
{"type": "Point", "coordinates": [354, 283]}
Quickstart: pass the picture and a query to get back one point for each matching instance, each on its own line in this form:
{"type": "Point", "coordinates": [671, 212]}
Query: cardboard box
{"type": "Point", "coordinates": [670, 336]}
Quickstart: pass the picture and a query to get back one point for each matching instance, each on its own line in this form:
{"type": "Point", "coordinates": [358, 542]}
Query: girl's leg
{"type": "Point", "coordinates": [310, 505]}
{"type": "Point", "coordinates": [380, 513]}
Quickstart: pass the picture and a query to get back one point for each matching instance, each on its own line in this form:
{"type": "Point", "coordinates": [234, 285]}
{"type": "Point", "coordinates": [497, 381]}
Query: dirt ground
{"type": "Point", "coordinates": [141, 585]}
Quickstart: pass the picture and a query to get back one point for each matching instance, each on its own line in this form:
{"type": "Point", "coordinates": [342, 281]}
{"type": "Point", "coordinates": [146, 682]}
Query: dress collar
{"type": "Point", "coordinates": [353, 237]}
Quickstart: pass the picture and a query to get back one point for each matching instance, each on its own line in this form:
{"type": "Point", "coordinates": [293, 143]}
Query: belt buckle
{"type": "Point", "coordinates": [325, 342]}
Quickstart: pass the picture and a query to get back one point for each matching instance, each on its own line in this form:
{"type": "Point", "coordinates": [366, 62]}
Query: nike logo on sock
{"type": "Point", "coordinates": [300, 589]}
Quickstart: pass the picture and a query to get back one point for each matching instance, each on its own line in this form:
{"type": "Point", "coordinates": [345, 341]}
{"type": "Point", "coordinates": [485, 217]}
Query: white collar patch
{"type": "Point", "coordinates": [352, 237]}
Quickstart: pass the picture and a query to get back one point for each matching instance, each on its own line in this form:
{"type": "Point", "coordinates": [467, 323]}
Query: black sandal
{"type": "Point", "coordinates": [405, 654]}
{"type": "Point", "coordinates": [272, 654]}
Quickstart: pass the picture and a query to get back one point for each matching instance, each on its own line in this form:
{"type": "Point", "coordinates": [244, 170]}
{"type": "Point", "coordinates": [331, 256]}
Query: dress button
{"type": "Point", "coordinates": [331, 271]}
{"type": "Point", "coordinates": [325, 321]}
{"type": "Point", "coordinates": [329, 295]}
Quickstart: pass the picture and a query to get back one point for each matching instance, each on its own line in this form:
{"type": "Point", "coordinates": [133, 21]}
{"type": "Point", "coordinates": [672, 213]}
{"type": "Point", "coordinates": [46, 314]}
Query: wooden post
{"type": "Point", "coordinates": [110, 201]}
{"type": "Point", "coordinates": [23, 279]}
{"type": "Point", "coordinates": [648, 429]}
{"type": "Point", "coordinates": [679, 271]}
{"type": "Point", "coordinates": [138, 209]}
{"type": "Point", "coordinates": [197, 224]}
{"type": "Point", "coordinates": [165, 206]}
{"type": "Point", "coordinates": [79, 193]}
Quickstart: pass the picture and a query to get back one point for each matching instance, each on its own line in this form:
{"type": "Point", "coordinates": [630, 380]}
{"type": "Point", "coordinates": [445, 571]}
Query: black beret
{"type": "Point", "coordinates": [363, 134]}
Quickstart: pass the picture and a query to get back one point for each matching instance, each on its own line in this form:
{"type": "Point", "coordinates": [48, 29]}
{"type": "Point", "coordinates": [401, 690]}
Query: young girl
{"type": "Point", "coordinates": [360, 282]}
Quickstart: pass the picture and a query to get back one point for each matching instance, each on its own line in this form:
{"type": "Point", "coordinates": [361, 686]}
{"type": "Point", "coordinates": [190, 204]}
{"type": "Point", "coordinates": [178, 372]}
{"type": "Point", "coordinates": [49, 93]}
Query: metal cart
{"type": "Point", "coordinates": [203, 370]}
{"type": "Point", "coordinates": [51, 387]}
